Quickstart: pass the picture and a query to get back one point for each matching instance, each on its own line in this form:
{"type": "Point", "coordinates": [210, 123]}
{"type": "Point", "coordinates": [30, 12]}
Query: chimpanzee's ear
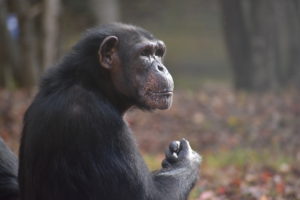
{"type": "Point", "coordinates": [108, 51]}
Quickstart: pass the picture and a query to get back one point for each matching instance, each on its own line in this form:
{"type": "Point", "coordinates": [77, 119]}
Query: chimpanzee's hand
{"type": "Point", "coordinates": [179, 171]}
{"type": "Point", "coordinates": [180, 154]}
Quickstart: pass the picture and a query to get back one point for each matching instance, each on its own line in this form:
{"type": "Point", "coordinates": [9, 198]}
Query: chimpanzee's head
{"type": "Point", "coordinates": [134, 59]}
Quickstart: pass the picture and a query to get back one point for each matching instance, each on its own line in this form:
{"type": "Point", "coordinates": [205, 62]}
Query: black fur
{"type": "Point", "coordinates": [8, 173]}
{"type": "Point", "coordinates": [75, 144]}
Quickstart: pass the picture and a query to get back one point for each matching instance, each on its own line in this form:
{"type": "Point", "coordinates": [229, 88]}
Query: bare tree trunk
{"type": "Point", "coordinates": [263, 42]}
{"type": "Point", "coordinates": [105, 11]}
{"type": "Point", "coordinates": [4, 42]}
{"type": "Point", "coordinates": [28, 45]}
{"type": "Point", "coordinates": [293, 22]}
{"type": "Point", "coordinates": [51, 30]}
{"type": "Point", "coordinates": [10, 67]}
{"type": "Point", "coordinates": [238, 43]}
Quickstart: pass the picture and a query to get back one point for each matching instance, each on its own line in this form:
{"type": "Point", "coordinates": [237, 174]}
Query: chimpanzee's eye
{"type": "Point", "coordinates": [146, 52]}
{"type": "Point", "coordinates": [160, 52]}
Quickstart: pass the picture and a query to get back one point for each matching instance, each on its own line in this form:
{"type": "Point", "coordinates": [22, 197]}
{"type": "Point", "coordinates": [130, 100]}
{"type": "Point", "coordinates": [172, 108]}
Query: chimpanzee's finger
{"type": "Point", "coordinates": [165, 164]}
{"type": "Point", "coordinates": [185, 149]}
{"type": "Point", "coordinates": [171, 157]}
{"type": "Point", "coordinates": [174, 146]}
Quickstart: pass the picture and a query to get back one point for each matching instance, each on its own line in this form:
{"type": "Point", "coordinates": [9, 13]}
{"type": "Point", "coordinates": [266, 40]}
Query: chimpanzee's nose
{"type": "Point", "coordinates": [160, 68]}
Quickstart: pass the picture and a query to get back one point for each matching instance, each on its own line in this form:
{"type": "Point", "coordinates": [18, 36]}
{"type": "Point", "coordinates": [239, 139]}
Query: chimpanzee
{"type": "Point", "coordinates": [75, 143]}
{"type": "Point", "coordinates": [9, 189]}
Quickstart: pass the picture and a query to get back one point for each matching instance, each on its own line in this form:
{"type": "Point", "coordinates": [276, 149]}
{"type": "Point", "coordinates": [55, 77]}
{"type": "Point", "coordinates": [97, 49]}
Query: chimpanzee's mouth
{"type": "Point", "coordinates": [161, 93]}
{"type": "Point", "coordinates": [158, 99]}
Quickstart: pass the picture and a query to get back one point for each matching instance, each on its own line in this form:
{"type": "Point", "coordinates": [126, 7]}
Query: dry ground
{"type": "Point", "coordinates": [250, 143]}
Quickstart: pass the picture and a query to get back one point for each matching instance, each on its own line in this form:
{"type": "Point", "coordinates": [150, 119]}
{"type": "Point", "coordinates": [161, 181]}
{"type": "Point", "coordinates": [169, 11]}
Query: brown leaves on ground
{"type": "Point", "coordinates": [13, 105]}
{"type": "Point", "coordinates": [250, 183]}
{"type": "Point", "coordinates": [216, 120]}
{"type": "Point", "coordinates": [218, 117]}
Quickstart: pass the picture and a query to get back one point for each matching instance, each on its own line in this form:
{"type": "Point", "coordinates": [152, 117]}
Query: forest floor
{"type": "Point", "coordinates": [250, 143]}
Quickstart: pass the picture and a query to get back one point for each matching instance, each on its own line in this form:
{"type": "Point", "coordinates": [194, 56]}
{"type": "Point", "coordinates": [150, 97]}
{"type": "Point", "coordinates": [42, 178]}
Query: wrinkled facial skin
{"type": "Point", "coordinates": [153, 83]}
{"type": "Point", "coordinates": [137, 71]}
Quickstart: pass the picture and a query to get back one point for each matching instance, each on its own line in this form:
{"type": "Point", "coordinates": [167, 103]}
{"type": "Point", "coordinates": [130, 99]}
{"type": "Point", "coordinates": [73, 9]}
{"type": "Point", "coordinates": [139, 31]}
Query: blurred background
{"type": "Point", "coordinates": [236, 66]}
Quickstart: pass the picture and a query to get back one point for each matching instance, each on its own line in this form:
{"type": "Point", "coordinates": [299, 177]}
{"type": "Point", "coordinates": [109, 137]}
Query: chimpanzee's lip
{"type": "Point", "coordinates": [161, 92]}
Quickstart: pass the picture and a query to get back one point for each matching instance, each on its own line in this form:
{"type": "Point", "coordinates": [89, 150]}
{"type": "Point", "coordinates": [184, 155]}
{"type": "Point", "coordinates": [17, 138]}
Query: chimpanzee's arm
{"type": "Point", "coordinates": [9, 189]}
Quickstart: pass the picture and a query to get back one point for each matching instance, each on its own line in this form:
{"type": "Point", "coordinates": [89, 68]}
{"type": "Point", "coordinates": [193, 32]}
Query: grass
{"type": "Point", "coordinates": [153, 161]}
{"type": "Point", "coordinates": [240, 157]}
{"type": "Point", "coordinates": [215, 162]}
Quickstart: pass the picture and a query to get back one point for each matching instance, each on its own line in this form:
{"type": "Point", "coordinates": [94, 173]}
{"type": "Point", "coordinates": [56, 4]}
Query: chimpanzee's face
{"type": "Point", "coordinates": [153, 83]}
{"type": "Point", "coordinates": [140, 73]}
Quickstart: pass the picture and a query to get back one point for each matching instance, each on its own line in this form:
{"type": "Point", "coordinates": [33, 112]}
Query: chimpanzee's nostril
{"type": "Point", "coordinates": [160, 68]}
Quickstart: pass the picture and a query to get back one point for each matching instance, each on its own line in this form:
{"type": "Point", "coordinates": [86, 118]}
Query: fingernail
{"type": "Point", "coordinates": [175, 155]}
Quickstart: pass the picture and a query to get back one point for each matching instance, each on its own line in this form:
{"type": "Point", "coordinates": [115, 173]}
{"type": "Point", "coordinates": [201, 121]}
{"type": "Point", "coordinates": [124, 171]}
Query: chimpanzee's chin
{"type": "Point", "coordinates": [166, 105]}
{"type": "Point", "coordinates": [161, 101]}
